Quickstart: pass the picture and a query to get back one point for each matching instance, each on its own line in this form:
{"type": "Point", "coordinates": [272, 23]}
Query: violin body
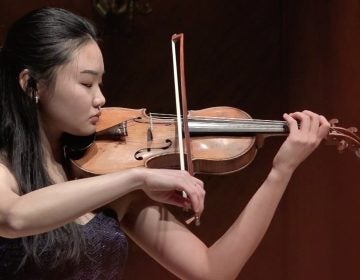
{"type": "Point", "coordinates": [128, 138]}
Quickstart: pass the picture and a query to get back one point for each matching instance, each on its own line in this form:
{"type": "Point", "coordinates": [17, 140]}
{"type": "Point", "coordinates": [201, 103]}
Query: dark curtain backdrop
{"type": "Point", "coordinates": [266, 58]}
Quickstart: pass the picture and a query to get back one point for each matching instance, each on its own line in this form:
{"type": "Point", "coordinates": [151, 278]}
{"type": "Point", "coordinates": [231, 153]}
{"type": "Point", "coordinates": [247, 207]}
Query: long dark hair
{"type": "Point", "coordinates": [40, 41]}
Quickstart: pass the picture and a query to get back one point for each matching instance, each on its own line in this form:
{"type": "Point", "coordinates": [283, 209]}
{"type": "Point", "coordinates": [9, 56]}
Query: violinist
{"type": "Point", "coordinates": [53, 226]}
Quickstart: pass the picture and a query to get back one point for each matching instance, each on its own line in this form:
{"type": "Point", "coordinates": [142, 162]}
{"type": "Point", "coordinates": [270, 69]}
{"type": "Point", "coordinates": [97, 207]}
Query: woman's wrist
{"type": "Point", "coordinates": [280, 174]}
{"type": "Point", "coordinates": [138, 178]}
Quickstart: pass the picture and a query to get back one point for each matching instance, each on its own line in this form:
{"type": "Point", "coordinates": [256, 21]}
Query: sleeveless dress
{"type": "Point", "coordinates": [107, 249]}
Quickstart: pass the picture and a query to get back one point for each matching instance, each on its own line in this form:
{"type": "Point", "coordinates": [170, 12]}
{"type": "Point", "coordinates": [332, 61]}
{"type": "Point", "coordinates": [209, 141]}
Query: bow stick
{"type": "Point", "coordinates": [182, 122]}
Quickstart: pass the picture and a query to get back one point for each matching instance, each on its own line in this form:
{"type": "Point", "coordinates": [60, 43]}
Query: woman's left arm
{"type": "Point", "coordinates": [176, 248]}
{"type": "Point", "coordinates": [170, 243]}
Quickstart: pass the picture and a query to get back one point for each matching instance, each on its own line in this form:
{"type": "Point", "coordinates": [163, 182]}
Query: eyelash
{"type": "Point", "coordinates": [90, 85]}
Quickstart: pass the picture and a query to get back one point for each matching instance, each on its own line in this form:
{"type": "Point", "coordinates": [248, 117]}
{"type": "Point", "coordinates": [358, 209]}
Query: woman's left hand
{"type": "Point", "coordinates": [307, 129]}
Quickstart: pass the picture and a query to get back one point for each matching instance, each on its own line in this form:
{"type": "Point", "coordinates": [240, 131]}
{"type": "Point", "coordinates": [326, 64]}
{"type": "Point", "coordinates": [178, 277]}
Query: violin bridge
{"type": "Point", "coordinates": [150, 136]}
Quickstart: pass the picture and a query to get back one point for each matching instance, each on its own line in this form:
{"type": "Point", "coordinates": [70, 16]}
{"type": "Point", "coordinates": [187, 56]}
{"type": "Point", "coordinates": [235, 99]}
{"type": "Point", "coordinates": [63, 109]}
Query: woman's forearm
{"type": "Point", "coordinates": [58, 204]}
{"type": "Point", "coordinates": [158, 232]}
{"type": "Point", "coordinates": [235, 247]}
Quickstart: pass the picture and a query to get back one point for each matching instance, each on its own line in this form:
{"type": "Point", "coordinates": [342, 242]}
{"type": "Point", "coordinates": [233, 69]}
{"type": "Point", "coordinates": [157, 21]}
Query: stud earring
{"type": "Point", "coordinates": [36, 99]}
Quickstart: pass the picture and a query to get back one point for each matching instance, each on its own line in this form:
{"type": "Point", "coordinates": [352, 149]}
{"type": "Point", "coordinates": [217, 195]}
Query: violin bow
{"type": "Point", "coordinates": [182, 122]}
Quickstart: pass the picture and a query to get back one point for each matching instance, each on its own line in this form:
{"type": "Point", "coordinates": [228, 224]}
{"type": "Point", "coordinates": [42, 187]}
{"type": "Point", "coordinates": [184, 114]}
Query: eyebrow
{"type": "Point", "coordinates": [92, 72]}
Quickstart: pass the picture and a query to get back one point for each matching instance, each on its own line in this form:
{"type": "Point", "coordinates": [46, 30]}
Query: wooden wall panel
{"type": "Point", "coordinates": [321, 72]}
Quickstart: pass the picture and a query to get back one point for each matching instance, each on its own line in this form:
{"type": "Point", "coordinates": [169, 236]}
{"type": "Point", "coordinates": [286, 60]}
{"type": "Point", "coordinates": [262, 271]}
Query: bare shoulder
{"type": "Point", "coordinates": [7, 179]}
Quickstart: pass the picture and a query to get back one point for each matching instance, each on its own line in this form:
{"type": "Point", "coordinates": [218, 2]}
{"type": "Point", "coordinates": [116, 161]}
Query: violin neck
{"type": "Point", "coordinates": [243, 127]}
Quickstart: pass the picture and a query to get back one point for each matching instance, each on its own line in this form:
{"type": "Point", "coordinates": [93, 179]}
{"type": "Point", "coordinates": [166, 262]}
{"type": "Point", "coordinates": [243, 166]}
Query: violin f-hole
{"type": "Point", "coordinates": [139, 154]}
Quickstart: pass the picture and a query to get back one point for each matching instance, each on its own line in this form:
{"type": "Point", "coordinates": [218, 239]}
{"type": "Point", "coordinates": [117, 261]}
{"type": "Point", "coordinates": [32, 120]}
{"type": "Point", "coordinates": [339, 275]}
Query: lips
{"type": "Point", "coordinates": [96, 115]}
{"type": "Point", "coordinates": [95, 118]}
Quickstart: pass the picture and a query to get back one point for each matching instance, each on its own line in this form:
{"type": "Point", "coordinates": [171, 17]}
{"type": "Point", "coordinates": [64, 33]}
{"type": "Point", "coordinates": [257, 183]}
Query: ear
{"type": "Point", "coordinates": [24, 78]}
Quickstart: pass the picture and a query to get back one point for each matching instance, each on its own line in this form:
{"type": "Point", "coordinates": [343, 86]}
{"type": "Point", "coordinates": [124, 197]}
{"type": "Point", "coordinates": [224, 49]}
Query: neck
{"type": "Point", "coordinates": [54, 157]}
{"type": "Point", "coordinates": [51, 144]}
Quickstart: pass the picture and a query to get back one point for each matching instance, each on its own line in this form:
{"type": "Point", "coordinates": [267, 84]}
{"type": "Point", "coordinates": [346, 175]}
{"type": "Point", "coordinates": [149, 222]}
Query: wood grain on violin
{"type": "Point", "coordinates": [223, 140]}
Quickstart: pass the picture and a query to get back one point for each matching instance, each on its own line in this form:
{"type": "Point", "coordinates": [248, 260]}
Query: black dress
{"type": "Point", "coordinates": [107, 249]}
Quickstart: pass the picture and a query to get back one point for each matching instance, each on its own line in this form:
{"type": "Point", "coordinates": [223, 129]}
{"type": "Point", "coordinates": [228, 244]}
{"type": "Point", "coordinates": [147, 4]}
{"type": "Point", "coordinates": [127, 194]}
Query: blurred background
{"type": "Point", "coordinates": [265, 57]}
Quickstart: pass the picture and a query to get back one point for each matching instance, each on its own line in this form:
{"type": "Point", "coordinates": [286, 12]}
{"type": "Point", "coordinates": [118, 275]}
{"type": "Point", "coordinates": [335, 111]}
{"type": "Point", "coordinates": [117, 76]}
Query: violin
{"type": "Point", "coordinates": [223, 140]}
{"type": "Point", "coordinates": [218, 140]}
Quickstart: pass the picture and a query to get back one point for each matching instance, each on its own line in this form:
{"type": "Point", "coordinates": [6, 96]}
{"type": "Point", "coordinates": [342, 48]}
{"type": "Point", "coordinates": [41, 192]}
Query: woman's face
{"type": "Point", "coordinates": [72, 102]}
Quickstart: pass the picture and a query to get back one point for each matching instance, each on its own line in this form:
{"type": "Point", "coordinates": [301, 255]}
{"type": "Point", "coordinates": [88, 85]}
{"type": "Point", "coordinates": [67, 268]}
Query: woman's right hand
{"type": "Point", "coordinates": [168, 186]}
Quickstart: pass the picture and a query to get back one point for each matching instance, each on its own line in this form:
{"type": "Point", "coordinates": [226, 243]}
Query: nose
{"type": "Point", "coordinates": [99, 99]}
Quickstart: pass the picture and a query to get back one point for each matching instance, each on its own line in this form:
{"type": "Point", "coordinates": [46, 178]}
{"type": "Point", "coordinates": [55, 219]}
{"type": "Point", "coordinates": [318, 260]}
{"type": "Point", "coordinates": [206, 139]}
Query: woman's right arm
{"type": "Point", "coordinates": [53, 206]}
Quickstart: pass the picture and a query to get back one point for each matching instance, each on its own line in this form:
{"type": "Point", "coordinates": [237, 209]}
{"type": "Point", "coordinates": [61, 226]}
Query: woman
{"type": "Point", "coordinates": [51, 227]}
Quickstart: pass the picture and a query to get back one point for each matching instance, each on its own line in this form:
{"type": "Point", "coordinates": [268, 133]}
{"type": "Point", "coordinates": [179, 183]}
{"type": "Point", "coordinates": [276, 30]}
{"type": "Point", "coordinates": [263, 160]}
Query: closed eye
{"type": "Point", "coordinates": [87, 85]}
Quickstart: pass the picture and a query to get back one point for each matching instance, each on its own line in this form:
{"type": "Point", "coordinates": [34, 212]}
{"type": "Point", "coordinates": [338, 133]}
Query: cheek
{"type": "Point", "coordinates": [72, 99]}
{"type": "Point", "coordinates": [76, 115]}
{"type": "Point", "coordinates": [68, 108]}
{"type": "Point", "coordinates": [63, 111]}
{"type": "Point", "coordinates": [75, 111]}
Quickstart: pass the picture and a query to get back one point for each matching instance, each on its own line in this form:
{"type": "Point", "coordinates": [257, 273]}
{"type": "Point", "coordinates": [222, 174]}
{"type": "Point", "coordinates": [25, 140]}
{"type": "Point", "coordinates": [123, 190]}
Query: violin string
{"type": "Point", "coordinates": [168, 116]}
{"type": "Point", "coordinates": [161, 141]}
{"type": "Point", "coordinates": [223, 119]}
{"type": "Point", "coordinates": [255, 129]}
{"type": "Point", "coordinates": [252, 125]}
